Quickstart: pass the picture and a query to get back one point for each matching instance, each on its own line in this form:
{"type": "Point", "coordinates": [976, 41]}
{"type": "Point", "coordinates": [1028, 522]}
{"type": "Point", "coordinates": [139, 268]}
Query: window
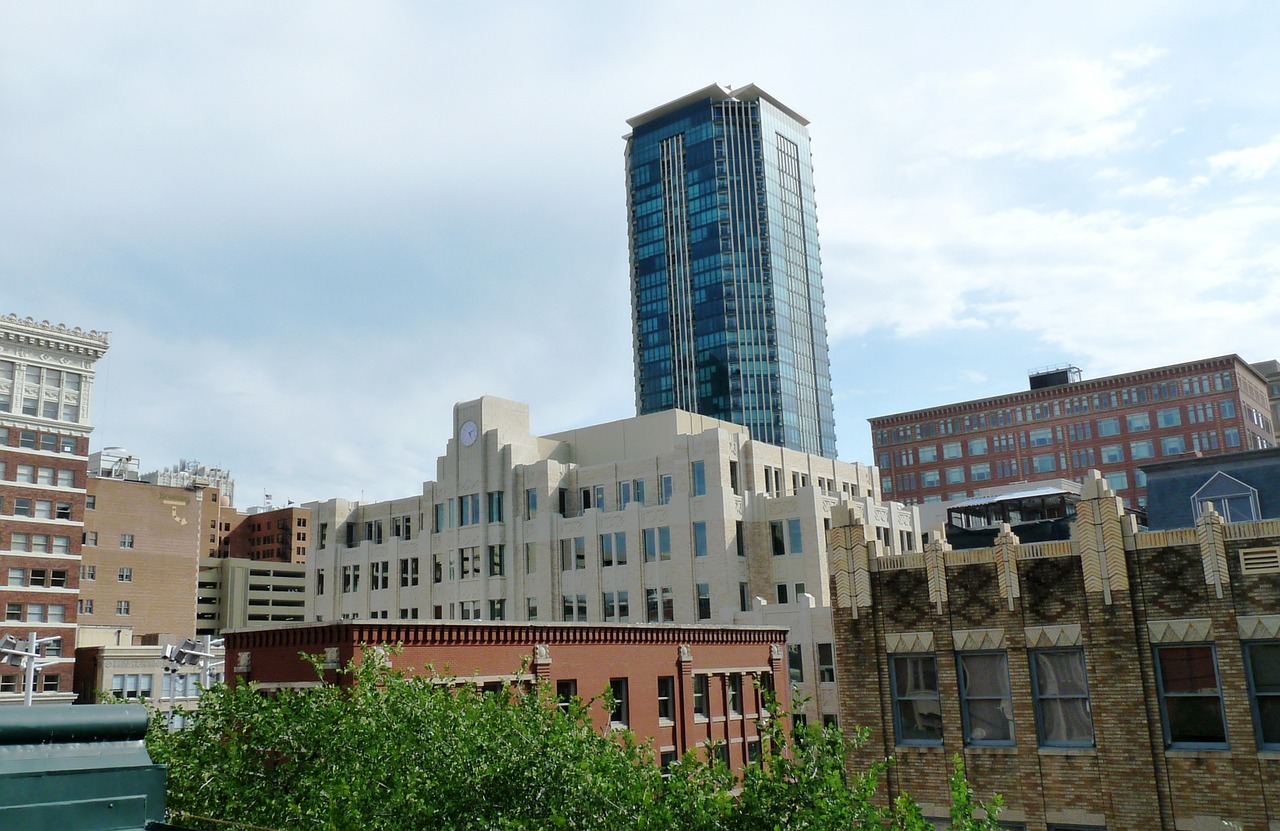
{"type": "Point", "coordinates": [1169, 418]}
{"type": "Point", "coordinates": [1173, 445]}
{"type": "Point", "coordinates": [734, 690]}
{"type": "Point", "coordinates": [779, 542]}
{"type": "Point", "coordinates": [124, 575]}
{"type": "Point", "coordinates": [573, 607]}
{"type": "Point", "coordinates": [126, 540]}
{"type": "Point", "coordinates": [1190, 696]}
{"type": "Point", "coordinates": [1061, 693]}
{"type": "Point", "coordinates": [495, 506]}
{"type": "Point", "coordinates": [409, 572]}
{"type": "Point", "coordinates": [469, 509]}
{"type": "Point", "coordinates": [497, 610]}
{"type": "Point", "coordinates": [131, 686]}
{"type": "Point", "coordinates": [795, 663]}
{"type": "Point", "coordinates": [657, 544]}
{"type": "Point", "coordinates": [84, 606]}
{"type": "Point", "coordinates": [698, 486]}
{"type": "Point", "coordinates": [1117, 481]}
{"type": "Point", "coordinates": [955, 475]}
{"type": "Point", "coordinates": [704, 601]}
{"type": "Point", "coordinates": [986, 705]}
{"type": "Point", "coordinates": [699, 539]}
{"type": "Point", "coordinates": [980, 472]}
{"type": "Point", "coordinates": [826, 663]}
{"type": "Point", "coordinates": [530, 608]}
{"type": "Point", "coordinates": [573, 554]}
{"type": "Point", "coordinates": [794, 537]}
{"type": "Point", "coordinates": [1138, 422]}
{"type": "Point", "coordinates": [17, 577]}
{"type": "Point", "coordinates": [917, 713]}
{"type": "Point", "coordinates": [90, 502]}
{"type": "Point", "coordinates": [619, 715]}
{"type": "Point", "coordinates": [1227, 408]}
{"type": "Point", "coordinates": [930, 479]}
{"type": "Point", "coordinates": [88, 573]}
{"type": "Point", "coordinates": [1044, 463]}
{"type": "Point", "coordinates": [666, 698]}
{"type": "Point", "coordinates": [1231, 436]}
{"type": "Point", "coordinates": [1262, 662]}
{"type": "Point", "coordinates": [530, 503]}
{"type": "Point", "coordinates": [1140, 450]}
{"type": "Point", "coordinates": [319, 581]}
{"type": "Point", "coordinates": [122, 607]}
{"type": "Point", "coordinates": [701, 696]}
{"type": "Point", "coordinates": [613, 549]}
{"type": "Point", "coordinates": [783, 593]}
{"type": "Point", "coordinates": [928, 454]}
{"type": "Point", "coordinates": [951, 450]}
{"type": "Point", "coordinates": [977, 447]}
{"type": "Point", "coordinates": [498, 560]}
{"type": "Point", "coordinates": [665, 490]}
{"type": "Point", "coordinates": [1040, 437]}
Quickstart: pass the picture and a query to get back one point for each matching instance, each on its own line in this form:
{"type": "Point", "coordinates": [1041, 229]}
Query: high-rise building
{"type": "Point", "coordinates": [727, 309]}
{"type": "Point", "coordinates": [46, 378]}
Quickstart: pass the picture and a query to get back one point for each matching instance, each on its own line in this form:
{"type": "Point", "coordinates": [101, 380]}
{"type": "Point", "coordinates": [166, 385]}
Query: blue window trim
{"type": "Point", "coordinates": [1012, 741]}
{"type": "Point", "coordinates": [1164, 712]}
{"type": "Point", "coordinates": [1036, 697]}
{"type": "Point", "coordinates": [895, 698]}
{"type": "Point", "coordinates": [1253, 694]}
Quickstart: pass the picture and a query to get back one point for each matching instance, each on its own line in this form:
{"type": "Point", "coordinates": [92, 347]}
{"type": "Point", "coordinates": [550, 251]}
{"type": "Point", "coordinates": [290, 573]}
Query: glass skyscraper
{"type": "Point", "coordinates": [727, 310]}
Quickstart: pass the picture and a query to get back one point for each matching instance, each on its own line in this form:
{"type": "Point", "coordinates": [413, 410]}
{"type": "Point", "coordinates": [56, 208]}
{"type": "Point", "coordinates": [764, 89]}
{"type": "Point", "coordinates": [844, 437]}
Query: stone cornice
{"type": "Point", "coordinates": [45, 335]}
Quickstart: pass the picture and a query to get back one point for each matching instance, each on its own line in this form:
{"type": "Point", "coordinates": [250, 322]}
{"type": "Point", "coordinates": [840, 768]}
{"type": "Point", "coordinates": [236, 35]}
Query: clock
{"type": "Point", "coordinates": [468, 433]}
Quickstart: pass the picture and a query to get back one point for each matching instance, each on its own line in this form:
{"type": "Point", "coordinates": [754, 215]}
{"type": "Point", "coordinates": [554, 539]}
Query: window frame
{"type": "Point", "coordinates": [1162, 695]}
{"type": "Point", "coordinates": [1038, 696]}
{"type": "Point", "coordinates": [965, 699]}
{"type": "Point", "coordinates": [896, 698]}
{"type": "Point", "coordinates": [1254, 695]}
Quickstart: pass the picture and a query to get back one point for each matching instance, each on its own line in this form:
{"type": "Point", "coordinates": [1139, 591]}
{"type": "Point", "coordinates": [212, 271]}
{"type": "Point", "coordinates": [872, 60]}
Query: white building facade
{"type": "Point", "coordinates": [670, 517]}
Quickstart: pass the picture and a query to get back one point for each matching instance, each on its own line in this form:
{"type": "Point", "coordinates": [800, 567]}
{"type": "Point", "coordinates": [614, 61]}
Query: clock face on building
{"type": "Point", "coordinates": [468, 433]}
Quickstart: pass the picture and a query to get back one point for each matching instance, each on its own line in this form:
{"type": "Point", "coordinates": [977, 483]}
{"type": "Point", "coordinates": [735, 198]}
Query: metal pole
{"type": "Point", "coordinates": [29, 663]}
{"type": "Point", "coordinates": [206, 646]}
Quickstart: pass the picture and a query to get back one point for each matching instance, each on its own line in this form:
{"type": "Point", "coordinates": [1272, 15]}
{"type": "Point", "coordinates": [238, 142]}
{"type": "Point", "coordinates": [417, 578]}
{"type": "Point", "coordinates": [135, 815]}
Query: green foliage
{"type": "Point", "coordinates": [389, 751]}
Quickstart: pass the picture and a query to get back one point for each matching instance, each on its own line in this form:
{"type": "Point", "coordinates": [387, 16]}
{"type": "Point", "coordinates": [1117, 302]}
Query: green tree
{"type": "Point", "coordinates": [393, 751]}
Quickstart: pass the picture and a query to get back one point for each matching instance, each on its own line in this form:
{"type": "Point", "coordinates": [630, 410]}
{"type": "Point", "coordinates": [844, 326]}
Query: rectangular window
{"type": "Point", "coordinates": [1262, 662]}
{"type": "Point", "coordinates": [701, 696]}
{"type": "Point", "coordinates": [1061, 692]}
{"type": "Point", "coordinates": [928, 454]}
{"type": "Point", "coordinates": [699, 539]}
{"type": "Point", "coordinates": [497, 610]}
{"type": "Point", "coordinates": [122, 607]}
{"type": "Point", "coordinates": [1142, 449]}
{"type": "Point", "coordinates": [619, 716]}
{"type": "Point", "coordinates": [1044, 463]}
{"type": "Point", "coordinates": [955, 475]}
{"type": "Point", "coordinates": [826, 663]}
{"type": "Point", "coordinates": [699, 479]}
{"type": "Point", "coordinates": [1173, 445]}
{"type": "Point", "coordinates": [1169, 418]}
{"type": "Point", "coordinates": [977, 447]}
{"type": "Point", "coordinates": [795, 663]}
{"type": "Point", "coordinates": [1231, 436]}
{"type": "Point", "coordinates": [530, 503]}
{"type": "Point", "coordinates": [665, 490]}
{"type": "Point", "coordinates": [951, 450]}
{"type": "Point", "coordinates": [917, 711]}
{"type": "Point", "coordinates": [1040, 437]}
{"type": "Point", "coordinates": [657, 544]}
{"type": "Point", "coordinates": [495, 506]}
{"type": "Point", "coordinates": [779, 542]}
{"type": "Point", "coordinates": [666, 698]}
{"type": "Point", "coordinates": [986, 705]}
{"type": "Point", "coordinates": [980, 472]}
{"type": "Point", "coordinates": [734, 690]}
{"type": "Point", "coordinates": [497, 560]}
{"type": "Point", "coordinates": [744, 597]}
{"type": "Point", "coordinates": [794, 537]}
{"type": "Point", "coordinates": [930, 479]}
{"type": "Point", "coordinates": [124, 574]}
{"type": "Point", "coordinates": [783, 593]}
{"type": "Point", "coordinates": [1190, 696]}
{"type": "Point", "coordinates": [704, 601]}
{"type": "Point", "coordinates": [126, 540]}
{"type": "Point", "coordinates": [1117, 481]}
{"type": "Point", "coordinates": [1138, 422]}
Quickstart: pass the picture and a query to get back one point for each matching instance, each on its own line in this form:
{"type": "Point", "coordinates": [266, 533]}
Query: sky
{"type": "Point", "coordinates": [311, 228]}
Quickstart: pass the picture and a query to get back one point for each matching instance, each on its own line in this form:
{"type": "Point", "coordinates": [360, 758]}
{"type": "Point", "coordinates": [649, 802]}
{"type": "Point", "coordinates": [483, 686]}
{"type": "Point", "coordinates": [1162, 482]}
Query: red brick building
{"type": "Point", "coordinates": [46, 380]}
{"type": "Point", "coordinates": [1064, 426]}
{"type": "Point", "coordinates": [682, 686]}
{"type": "Point", "coordinates": [1116, 680]}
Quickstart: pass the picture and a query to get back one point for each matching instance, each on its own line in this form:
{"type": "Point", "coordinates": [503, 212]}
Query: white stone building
{"type": "Point", "coordinates": [670, 517]}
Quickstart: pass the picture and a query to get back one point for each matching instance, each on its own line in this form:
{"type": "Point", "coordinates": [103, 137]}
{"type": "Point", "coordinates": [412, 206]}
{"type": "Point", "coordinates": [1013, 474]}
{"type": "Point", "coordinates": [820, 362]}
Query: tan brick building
{"type": "Point", "coordinates": [1120, 679]}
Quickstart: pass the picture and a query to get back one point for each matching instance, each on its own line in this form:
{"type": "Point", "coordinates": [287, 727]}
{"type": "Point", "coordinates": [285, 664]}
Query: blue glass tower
{"type": "Point", "coordinates": [726, 283]}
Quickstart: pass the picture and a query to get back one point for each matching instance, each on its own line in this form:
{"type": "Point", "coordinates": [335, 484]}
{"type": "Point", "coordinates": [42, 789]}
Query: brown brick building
{"type": "Point", "coordinates": [46, 381]}
{"type": "Point", "coordinates": [681, 685]}
{"type": "Point", "coordinates": [1064, 427]}
{"type": "Point", "coordinates": [1119, 679]}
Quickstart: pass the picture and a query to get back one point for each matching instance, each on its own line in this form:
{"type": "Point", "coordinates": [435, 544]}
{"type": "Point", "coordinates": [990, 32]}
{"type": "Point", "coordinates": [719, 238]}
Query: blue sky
{"type": "Point", "coordinates": [312, 228]}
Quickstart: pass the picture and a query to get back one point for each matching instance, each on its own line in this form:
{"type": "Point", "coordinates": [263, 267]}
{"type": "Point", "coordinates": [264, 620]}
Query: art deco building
{"type": "Point", "coordinates": [668, 518]}
{"type": "Point", "coordinates": [46, 382]}
{"type": "Point", "coordinates": [727, 307]}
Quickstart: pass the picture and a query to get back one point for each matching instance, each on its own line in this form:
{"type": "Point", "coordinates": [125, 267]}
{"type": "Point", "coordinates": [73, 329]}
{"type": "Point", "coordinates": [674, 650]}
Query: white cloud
{"type": "Point", "coordinates": [1163, 187]}
{"type": "Point", "coordinates": [1250, 163]}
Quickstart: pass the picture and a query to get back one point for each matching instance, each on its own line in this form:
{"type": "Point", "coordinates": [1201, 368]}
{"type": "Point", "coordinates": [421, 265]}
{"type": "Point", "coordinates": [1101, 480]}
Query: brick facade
{"type": "Point", "coordinates": [586, 656]}
{"type": "Point", "coordinates": [1111, 594]}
